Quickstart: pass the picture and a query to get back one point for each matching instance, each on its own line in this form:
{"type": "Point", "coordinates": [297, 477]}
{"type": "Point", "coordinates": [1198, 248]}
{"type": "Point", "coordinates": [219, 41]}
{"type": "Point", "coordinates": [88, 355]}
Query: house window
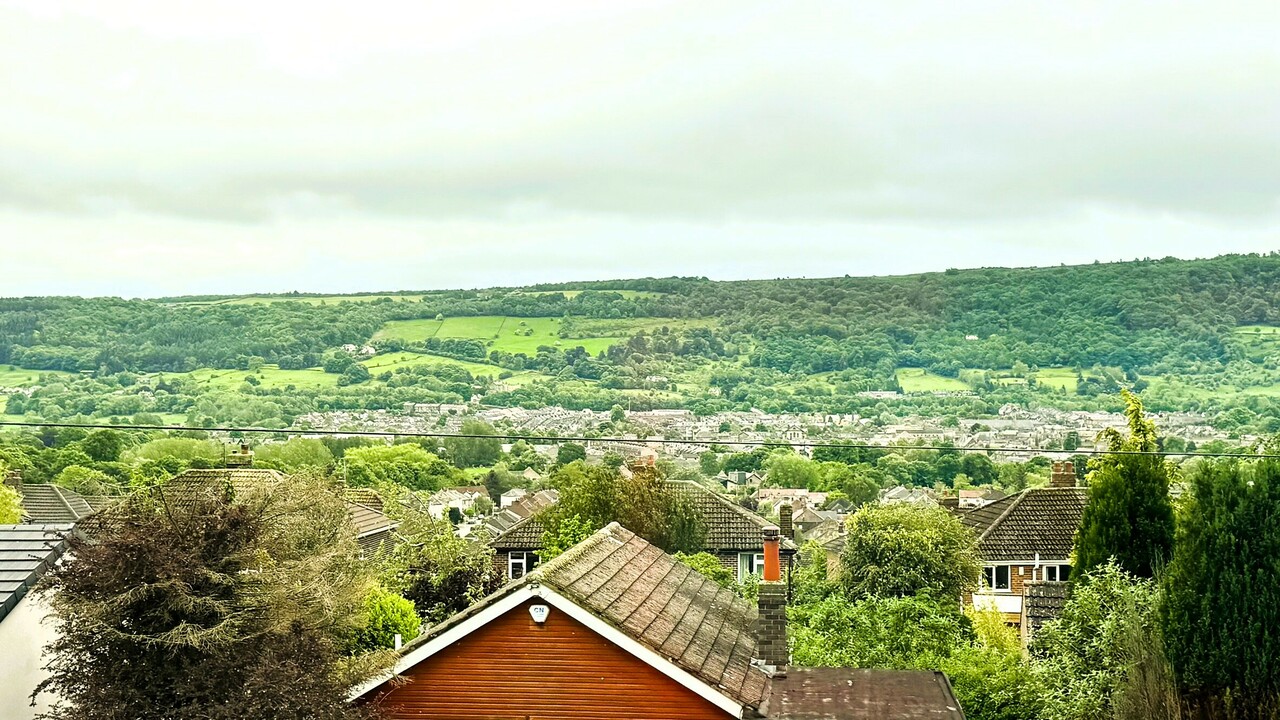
{"type": "Point", "coordinates": [519, 563]}
{"type": "Point", "coordinates": [750, 564]}
{"type": "Point", "coordinates": [1057, 572]}
{"type": "Point", "coordinates": [996, 577]}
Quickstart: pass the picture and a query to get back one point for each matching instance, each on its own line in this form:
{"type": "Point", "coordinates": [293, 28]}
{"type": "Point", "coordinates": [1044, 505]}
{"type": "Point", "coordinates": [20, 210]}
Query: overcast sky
{"type": "Point", "coordinates": [168, 148]}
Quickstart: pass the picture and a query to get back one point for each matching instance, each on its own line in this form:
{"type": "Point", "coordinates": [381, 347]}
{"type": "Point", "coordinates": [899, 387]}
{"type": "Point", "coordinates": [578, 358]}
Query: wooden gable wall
{"type": "Point", "coordinates": [515, 668]}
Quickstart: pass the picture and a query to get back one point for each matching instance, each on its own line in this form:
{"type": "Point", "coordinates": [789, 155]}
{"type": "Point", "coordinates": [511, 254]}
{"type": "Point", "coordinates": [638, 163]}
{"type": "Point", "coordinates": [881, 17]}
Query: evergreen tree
{"type": "Point", "coordinates": [1129, 516]}
{"type": "Point", "coordinates": [1222, 589]}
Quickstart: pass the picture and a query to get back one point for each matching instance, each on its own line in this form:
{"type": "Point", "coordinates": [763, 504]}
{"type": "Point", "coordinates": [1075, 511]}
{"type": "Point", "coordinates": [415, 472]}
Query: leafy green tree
{"type": "Point", "coordinates": [570, 452]}
{"type": "Point", "coordinates": [10, 502]}
{"type": "Point", "coordinates": [438, 571]}
{"type": "Point", "coordinates": [103, 445]}
{"type": "Point", "coordinates": [1223, 587]}
{"type": "Point", "coordinates": [295, 454]}
{"type": "Point", "coordinates": [87, 481]}
{"type": "Point", "coordinates": [563, 534]}
{"type": "Point", "coordinates": [710, 567]}
{"type": "Point", "coordinates": [709, 463]}
{"type": "Point", "coordinates": [407, 465]}
{"type": "Point", "coordinates": [592, 496]}
{"type": "Point", "coordinates": [182, 449]}
{"type": "Point", "coordinates": [226, 606]}
{"type": "Point", "coordinates": [892, 632]}
{"type": "Point", "coordinates": [482, 450]}
{"type": "Point", "coordinates": [1086, 657]}
{"type": "Point", "coordinates": [617, 414]}
{"type": "Point", "coordinates": [789, 470]}
{"type": "Point", "coordinates": [1128, 515]}
{"type": "Point", "coordinates": [385, 615]}
{"type": "Point", "coordinates": [903, 549]}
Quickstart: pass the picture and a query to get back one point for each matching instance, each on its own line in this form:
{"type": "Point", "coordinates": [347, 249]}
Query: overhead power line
{"type": "Point", "coordinates": [583, 439]}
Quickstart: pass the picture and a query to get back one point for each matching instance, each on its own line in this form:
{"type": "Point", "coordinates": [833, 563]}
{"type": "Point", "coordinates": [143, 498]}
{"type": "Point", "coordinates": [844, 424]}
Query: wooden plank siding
{"type": "Point", "coordinates": [515, 669]}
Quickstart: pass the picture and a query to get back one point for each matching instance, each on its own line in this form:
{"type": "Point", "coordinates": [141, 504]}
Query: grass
{"type": "Point", "coordinates": [390, 361]}
{"type": "Point", "coordinates": [269, 376]}
{"type": "Point", "coordinates": [915, 380]}
{"type": "Point", "coordinates": [308, 299]}
{"type": "Point", "coordinates": [20, 377]}
{"type": "Point", "coordinates": [508, 334]}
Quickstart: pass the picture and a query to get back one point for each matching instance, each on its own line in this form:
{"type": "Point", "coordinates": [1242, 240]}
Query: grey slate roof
{"type": "Point", "coordinates": [854, 694]}
{"type": "Point", "coordinates": [1039, 521]}
{"type": "Point", "coordinates": [53, 504]}
{"type": "Point", "coordinates": [26, 553]}
{"type": "Point", "coordinates": [670, 608]}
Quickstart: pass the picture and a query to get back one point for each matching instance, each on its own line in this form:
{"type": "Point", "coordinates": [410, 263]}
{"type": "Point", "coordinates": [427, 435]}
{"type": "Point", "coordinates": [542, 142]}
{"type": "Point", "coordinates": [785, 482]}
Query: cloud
{"type": "Point", "coordinates": [819, 121]}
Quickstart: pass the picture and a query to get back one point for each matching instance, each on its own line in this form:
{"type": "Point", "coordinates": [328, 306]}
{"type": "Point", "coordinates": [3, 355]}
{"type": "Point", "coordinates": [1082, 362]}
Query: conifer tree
{"type": "Point", "coordinates": [1222, 590]}
{"type": "Point", "coordinates": [1128, 516]}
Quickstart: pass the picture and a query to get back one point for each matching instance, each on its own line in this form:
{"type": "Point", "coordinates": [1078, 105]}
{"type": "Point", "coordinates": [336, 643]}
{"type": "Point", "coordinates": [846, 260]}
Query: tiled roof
{"type": "Point", "coordinates": [367, 519]}
{"type": "Point", "coordinates": [52, 504]}
{"type": "Point", "coordinates": [729, 526]}
{"type": "Point", "coordinates": [26, 553]}
{"type": "Point", "coordinates": [1037, 521]}
{"type": "Point", "coordinates": [854, 694]}
{"type": "Point", "coordinates": [704, 629]}
{"type": "Point", "coordinates": [1043, 601]}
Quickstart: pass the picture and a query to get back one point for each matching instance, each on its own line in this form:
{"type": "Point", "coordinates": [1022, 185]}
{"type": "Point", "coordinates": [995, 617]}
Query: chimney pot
{"type": "Point", "coordinates": [772, 561]}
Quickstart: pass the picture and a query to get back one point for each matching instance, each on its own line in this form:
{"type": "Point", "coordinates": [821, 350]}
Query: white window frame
{"type": "Point", "coordinates": [520, 558]}
{"type": "Point", "coordinates": [750, 564]}
{"type": "Point", "coordinates": [991, 578]}
{"type": "Point", "coordinates": [1058, 572]}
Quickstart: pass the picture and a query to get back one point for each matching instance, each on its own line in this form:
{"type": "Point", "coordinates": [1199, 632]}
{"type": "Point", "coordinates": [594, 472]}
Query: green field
{"type": "Point", "coordinates": [390, 361]}
{"type": "Point", "coordinates": [269, 376]}
{"type": "Point", "coordinates": [19, 377]}
{"type": "Point", "coordinates": [508, 334]}
{"type": "Point", "coordinates": [915, 380]}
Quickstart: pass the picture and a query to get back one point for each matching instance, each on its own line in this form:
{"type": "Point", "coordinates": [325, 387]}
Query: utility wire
{"type": "Point", "coordinates": [568, 438]}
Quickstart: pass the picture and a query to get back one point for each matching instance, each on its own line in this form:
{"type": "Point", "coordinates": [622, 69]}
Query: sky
{"type": "Point", "coordinates": [164, 148]}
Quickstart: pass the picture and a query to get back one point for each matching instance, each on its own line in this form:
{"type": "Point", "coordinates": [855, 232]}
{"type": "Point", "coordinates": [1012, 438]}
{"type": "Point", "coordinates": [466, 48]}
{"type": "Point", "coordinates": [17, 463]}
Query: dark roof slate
{"type": "Point", "coordinates": [52, 504]}
{"type": "Point", "coordinates": [1036, 521]}
{"type": "Point", "coordinates": [856, 694]}
{"type": "Point", "coordinates": [26, 553]}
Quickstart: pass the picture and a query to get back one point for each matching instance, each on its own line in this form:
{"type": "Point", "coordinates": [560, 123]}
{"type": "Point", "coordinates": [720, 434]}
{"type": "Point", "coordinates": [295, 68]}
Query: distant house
{"type": "Point", "coordinates": [735, 479]}
{"type": "Point", "coordinates": [733, 535]}
{"type": "Point", "coordinates": [798, 497]}
{"type": "Point", "coordinates": [615, 628]}
{"type": "Point", "coordinates": [903, 494]}
{"type": "Point", "coordinates": [27, 552]}
{"type": "Point", "coordinates": [1026, 537]}
{"type": "Point", "coordinates": [531, 475]}
{"type": "Point", "coordinates": [462, 499]}
{"type": "Point", "coordinates": [511, 496]}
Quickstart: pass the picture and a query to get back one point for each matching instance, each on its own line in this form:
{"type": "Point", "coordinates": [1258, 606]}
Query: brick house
{"type": "Point", "coordinates": [733, 535]}
{"type": "Point", "coordinates": [1026, 537]}
{"type": "Point", "coordinates": [615, 628]}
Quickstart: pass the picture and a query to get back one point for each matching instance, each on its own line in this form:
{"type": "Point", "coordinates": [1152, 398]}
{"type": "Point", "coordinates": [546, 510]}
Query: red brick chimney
{"type": "Point", "coordinates": [1064, 474]}
{"type": "Point", "coordinates": [771, 623]}
{"type": "Point", "coordinates": [785, 526]}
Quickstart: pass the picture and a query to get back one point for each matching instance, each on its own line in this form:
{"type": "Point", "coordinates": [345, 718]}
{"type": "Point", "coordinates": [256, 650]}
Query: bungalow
{"type": "Point", "coordinates": [1026, 537]}
{"type": "Point", "coordinates": [53, 504]}
{"type": "Point", "coordinates": [736, 479]}
{"type": "Point", "coordinates": [615, 628]}
{"type": "Point", "coordinates": [27, 552]}
{"type": "Point", "coordinates": [733, 535]}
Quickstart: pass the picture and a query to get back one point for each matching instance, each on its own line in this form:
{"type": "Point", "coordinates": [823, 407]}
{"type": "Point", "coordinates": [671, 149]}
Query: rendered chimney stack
{"type": "Point", "coordinates": [1064, 474]}
{"type": "Point", "coordinates": [784, 521]}
{"type": "Point", "coordinates": [771, 623]}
